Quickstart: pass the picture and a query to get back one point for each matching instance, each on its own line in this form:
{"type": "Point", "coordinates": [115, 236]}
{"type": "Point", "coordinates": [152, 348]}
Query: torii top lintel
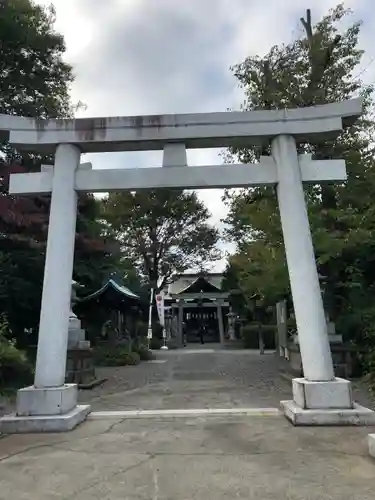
{"type": "Point", "coordinates": [204, 130]}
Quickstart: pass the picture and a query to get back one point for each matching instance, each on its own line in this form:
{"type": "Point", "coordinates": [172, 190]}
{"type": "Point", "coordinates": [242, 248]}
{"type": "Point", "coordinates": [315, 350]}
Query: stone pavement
{"type": "Point", "coordinates": [195, 378]}
{"type": "Point", "coordinates": [192, 378]}
{"type": "Point", "coordinates": [188, 458]}
{"type": "Point", "coordinates": [111, 457]}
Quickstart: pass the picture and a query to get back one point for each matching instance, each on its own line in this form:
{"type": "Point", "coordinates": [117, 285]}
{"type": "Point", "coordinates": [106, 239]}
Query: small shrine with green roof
{"type": "Point", "coordinates": [110, 312]}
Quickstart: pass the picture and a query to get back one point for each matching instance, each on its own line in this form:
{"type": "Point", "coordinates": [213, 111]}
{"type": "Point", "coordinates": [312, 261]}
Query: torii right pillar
{"type": "Point", "coordinates": [319, 398]}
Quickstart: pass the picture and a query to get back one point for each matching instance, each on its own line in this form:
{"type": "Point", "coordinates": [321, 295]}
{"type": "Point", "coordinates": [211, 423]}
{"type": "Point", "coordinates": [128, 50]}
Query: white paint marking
{"type": "Point", "coordinates": [156, 361]}
{"type": "Point", "coordinates": [254, 412]}
{"type": "Point", "coordinates": [193, 351]}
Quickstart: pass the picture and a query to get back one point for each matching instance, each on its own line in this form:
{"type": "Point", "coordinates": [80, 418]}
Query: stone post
{"type": "Point", "coordinates": [303, 275]}
{"type": "Point", "coordinates": [261, 339]}
{"type": "Point", "coordinates": [50, 398]}
{"type": "Point", "coordinates": [58, 270]}
{"type": "Point", "coordinates": [319, 397]}
{"type": "Point", "coordinates": [180, 321]}
{"type": "Point", "coordinates": [220, 321]}
{"type": "Point", "coordinates": [231, 324]}
{"type": "Point", "coordinates": [282, 329]}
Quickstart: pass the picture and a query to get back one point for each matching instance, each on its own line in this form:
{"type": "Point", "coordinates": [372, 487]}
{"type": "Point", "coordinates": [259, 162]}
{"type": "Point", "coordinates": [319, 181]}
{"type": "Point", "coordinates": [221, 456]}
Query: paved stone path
{"type": "Point", "coordinates": [190, 458]}
{"type": "Point", "coordinates": [207, 458]}
{"type": "Point", "coordinates": [194, 378]}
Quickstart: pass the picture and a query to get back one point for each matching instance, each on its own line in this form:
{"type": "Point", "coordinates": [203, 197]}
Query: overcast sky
{"type": "Point", "coordinates": [133, 57]}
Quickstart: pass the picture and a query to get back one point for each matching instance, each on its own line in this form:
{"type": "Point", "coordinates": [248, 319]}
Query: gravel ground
{"type": "Point", "coordinates": [195, 379]}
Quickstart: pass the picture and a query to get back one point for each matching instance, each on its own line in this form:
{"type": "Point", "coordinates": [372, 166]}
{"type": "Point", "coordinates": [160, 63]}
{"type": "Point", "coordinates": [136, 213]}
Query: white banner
{"type": "Point", "coordinates": [160, 307]}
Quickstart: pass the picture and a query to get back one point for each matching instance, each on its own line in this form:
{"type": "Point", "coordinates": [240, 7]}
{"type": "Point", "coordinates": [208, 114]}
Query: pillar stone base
{"type": "Point", "coordinates": [325, 403]}
{"type": "Point", "coordinates": [52, 409]}
{"type": "Point", "coordinates": [371, 444]}
{"type": "Point", "coordinates": [336, 393]}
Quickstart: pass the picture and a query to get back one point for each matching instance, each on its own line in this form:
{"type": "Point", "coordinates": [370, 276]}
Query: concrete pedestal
{"type": "Point", "coordinates": [51, 409]}
{"type": "Point", "coordinates": [79, 361]}
{"type": "Point", "coordinates": [76, 334]}
{"type": "Point", "coordinates": [371, 444]}
{"type": "Point", "coordinates": [80, 367]}
{"type": "Point", "coordinates": [313, 395]}
{"type": "Point", "coordinates": [325, 403]}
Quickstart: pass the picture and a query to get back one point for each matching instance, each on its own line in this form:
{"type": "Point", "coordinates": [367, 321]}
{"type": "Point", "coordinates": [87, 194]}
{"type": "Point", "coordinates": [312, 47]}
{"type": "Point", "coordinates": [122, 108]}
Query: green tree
{"type": "Point", "coordinates": [162, 232]}
{"type": "Point", "coordinates": [319, 68]}
{"type": "Point", "coordinates": [96, 256]}
{"type": "Point", "coordinates": [232, 284]}
{"type": "Point", "coordinates": [35, 82]}
{"type": "Point", "coordinates": [34, 78]}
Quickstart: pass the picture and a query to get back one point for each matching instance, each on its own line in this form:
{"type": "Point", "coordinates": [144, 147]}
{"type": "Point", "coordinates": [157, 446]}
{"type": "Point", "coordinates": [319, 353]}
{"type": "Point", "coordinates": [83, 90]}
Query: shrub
{"type": "Point", "coordinates": [173, 344]}
{"type": "Point", "coordinates": [155, 343]}
{"type": "Point", "coordinates": [115, 356]}
{"type": "Point", "coordinates": [157, 331]}
{"type": "Point", "coordinates": [250, 336]}
{"type": "Point", "coordinates": [15, 368]}
{"type": "Point", "coordinates": [132, 358]}
{"type": "Point", "coordinates": [141, 329]}
{"type": "Point", "coordinates": [144, 353]}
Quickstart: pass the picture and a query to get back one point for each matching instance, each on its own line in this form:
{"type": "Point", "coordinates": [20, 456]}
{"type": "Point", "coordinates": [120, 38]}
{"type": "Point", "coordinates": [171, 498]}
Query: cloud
{"type": "Point", "coordinates": [169, 56]}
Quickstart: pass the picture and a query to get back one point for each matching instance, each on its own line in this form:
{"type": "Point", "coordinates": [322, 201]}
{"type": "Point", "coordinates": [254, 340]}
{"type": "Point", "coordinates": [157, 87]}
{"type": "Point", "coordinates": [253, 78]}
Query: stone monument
{"type": "Point", "coordinates": [76, 335]}
{"type": "Point", "coordinates": [231, 324]}
{"type": "Point", "coordinates": [79, 357]}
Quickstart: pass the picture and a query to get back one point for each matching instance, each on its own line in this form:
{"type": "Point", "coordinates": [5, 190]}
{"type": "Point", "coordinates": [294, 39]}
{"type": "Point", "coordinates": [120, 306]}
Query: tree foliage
{"type": "Point", "coordinates": [34, 78]}
{"type": "Point", "coordinates": [96, 256]}
{"type": "Point", "coordinates": [35, 82]}
{"type": "Point", "coordinates": [319, 68]}
{"type": "Point", "coordinates": [162, 232]}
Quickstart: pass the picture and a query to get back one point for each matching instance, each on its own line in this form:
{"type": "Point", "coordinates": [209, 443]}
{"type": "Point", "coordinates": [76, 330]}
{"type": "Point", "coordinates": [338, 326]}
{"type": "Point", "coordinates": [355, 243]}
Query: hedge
{"type": "Point", "coordinates": [115, 356]}
{"type": "Point", "coordinates": [250, 336]}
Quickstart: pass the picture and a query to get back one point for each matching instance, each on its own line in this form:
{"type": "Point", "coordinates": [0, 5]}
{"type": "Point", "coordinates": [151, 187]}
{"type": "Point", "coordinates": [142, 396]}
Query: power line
{"type": "Point", "coordinates": [366, 68]}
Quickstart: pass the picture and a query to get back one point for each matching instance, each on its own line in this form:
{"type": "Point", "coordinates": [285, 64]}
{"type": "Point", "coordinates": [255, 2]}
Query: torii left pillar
{"type": "Point", "coordinates": [50, 404]}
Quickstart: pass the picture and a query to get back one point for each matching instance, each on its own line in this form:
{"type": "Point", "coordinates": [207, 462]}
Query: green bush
{"type": "Point", "coordinates": [173, 344]}
{"type": "Point", "coordinates": [141, 330]}
{"type": "Point", "coordinates": [15, 368]}
{"type": "Point", "coordinates": [144, 353]}
{"type": "Point", "coordinates": [250, 336]}
{"type": "Point", "coordinates": [155, 343]}
{"type": "Point", "coordinates": [157, 331]}
{"type": "Point", "coordinates": [115, 356]}
{"type": "Point", "coordinates": [132, 358]}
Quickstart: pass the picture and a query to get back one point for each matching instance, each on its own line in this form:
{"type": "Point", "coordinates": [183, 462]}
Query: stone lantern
{"type": "Point", "coordinates": [73, 298]}
{"type": "Point", "coordinates": [256, 302]}
{"type": "Point", "coordinates": [76, 336]}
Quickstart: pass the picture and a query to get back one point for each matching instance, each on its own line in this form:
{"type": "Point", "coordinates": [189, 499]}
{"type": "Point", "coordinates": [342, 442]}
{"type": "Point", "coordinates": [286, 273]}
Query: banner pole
{"type": "Point", "coordinates": [149, 329]}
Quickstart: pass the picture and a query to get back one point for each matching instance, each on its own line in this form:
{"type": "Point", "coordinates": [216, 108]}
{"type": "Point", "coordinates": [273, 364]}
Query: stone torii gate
{"type": "Point", "coordinates": [319, 397]}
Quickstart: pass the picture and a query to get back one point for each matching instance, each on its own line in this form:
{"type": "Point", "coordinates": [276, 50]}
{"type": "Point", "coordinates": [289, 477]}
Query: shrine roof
{"type": "Point", "coordinates": [112, 285]}
{"type": "Point", "coordinates": [200, 284]}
